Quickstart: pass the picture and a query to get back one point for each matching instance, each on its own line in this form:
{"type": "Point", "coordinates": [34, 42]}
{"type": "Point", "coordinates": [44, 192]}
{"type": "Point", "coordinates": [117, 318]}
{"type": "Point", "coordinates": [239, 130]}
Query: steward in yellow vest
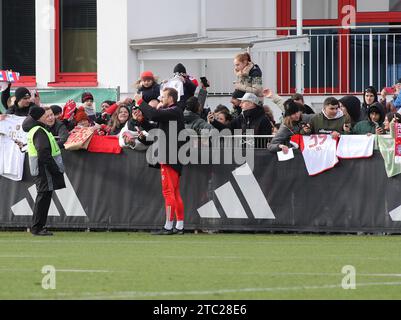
{"type": "Point", "coordinates": [46, 166]}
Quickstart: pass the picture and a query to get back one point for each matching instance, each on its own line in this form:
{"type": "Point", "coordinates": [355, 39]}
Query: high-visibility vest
{"type": "Point", "coordinates": [33, 153]}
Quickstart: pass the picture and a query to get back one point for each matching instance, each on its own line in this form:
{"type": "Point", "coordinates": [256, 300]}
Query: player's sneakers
{"type": "Point", "coordinates": [178, 231]}
{"type": "Point", "coordinates": [43, 233]}
{"type": "Point", "coordinates": [163, 232]}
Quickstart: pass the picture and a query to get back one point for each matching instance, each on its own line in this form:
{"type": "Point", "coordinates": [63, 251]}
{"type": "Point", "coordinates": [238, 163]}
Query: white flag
{"type": "Point", "coordinates": [355, 146]}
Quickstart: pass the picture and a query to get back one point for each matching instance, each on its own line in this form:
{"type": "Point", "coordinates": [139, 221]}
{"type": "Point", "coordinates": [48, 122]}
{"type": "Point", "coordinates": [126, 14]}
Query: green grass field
{"type": "Point", "coordinates": [199, 266]}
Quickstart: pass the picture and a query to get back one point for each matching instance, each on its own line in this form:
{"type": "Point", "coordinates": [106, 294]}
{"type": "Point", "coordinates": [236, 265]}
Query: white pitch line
{"type": "Point", "coordinates": [57, 270]}
{"type": "Point", "coordinates": [24, 257]}
{"type": "Point", "coordinates": [391, 275]}
{"type": "Point", "coordinates": [83, 271]}
{"type": "Point", "coordinates": [138, 294]}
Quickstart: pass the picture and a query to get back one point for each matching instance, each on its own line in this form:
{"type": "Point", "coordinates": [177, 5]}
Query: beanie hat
{"type": "Point", "coordinates": [353, 106]}
{"type": "Point", "coordinates": [81, 115]}
{"type": "Point", "coordinates": [56, 109]}
{"type": "Point", "coordinates": [87, 96]}
{"type": "Point", "coordinates": [192, 104]}
{"type": "Point", "coordinates": [22, 93]}
{"type": "Point", "coordinates": [36, 112]}
{"type": "Point", "coordinates": [238, 94]}
{"type": "Point", "coordinates": [179, 68]}
{"type": "Point", "coordinates": [147, 75]}
{"type": "Point", "coordinates": [290, 108]}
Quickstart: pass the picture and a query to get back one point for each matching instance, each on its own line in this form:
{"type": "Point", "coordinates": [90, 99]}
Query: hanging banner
{"type": "Point", "coordinates": [62, 96]}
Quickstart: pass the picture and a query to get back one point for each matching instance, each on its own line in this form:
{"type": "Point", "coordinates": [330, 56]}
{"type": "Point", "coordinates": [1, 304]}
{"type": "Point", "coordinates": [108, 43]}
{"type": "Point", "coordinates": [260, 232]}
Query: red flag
{"type": "Point", "coordinates": [104, 144]}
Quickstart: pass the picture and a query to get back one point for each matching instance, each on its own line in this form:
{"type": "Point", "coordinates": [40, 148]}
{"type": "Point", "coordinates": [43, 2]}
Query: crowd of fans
{"type": "Point", "coordinates": [124, 119]}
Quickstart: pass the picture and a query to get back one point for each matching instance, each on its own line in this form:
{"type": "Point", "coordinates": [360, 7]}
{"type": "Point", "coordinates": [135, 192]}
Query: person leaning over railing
{"type": "Point", "coordinates": [292, 124]}
{"type": "Point", "coordinates": [351, 107]}
{"type": "Point", "coordinates": [374, 124]}
{"type": "Point", "coordinates": [252, 118]}
{"type": "Point", "coordinates": [192, 116]}
{"type": "Point", "coordinates": [330, 120]}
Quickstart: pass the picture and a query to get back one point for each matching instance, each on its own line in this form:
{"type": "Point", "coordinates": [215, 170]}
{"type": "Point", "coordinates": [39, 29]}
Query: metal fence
{"type": "Point", "coordinates": [347, 63]}
{"type": "Point", "coordinates": [341, 61]}
{"type": "Point", "coordinates": [231, 142]}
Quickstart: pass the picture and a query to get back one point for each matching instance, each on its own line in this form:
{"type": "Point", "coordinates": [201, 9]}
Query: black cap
{"type": "Point", "coordinates": [290, 108]}
{"type": "Point", "coordinates": [237, 94]}
{"type": "Point", "coordinates": [22, 93]}
{"type": "Point", "coordinates": [36, 112]}
{"type": "Point", "coordinates": [56, 109]}
{"type": "Point", "coordinates": [399, 81]}
{"type": "Point", "coordinates": [179, 68]}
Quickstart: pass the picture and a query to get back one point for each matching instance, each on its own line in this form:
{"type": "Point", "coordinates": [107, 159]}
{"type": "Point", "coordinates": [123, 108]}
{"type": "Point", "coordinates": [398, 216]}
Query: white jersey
{"type": "Point", "coordinates": [11, 156]}
{"type": "Point", "coordinates": [319, 152]}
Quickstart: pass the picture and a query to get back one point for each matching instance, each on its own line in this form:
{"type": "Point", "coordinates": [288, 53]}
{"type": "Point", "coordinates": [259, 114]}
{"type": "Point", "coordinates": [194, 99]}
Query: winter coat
{"type": "Point", "coordinates": [250, 80]}
{"type": "Point", "coordinates": [195, 122]}
{"type": "Point", "coordinates": [397, 102]}
{"type": "Point", "coordinates": [116, 131]}
{"type": "Point", "coordinates": [60, 132]}
{"type": "Point", "coordinates": [50, 178]}
{"type": "Point", "coordinates": [5, 95]}
{"type": "Point", "coordinates": [149, 94]}
{"type": "Point", "coordinates": [283, 136]}
{"type": "Point", "coordinates": [20, 112]}
{"type": "Point", "coordinates": [305, 109]}
{"type": "Point", "coordinates": [163, 117]}
{"type": "Point", "coordinates": [321, 124]}
{"type": "Point", "coordinates": [189, 91]}
{"type": "Point", "coordinates": [367, 126]}
{"type": "Point", "coordinates": [254, 119]}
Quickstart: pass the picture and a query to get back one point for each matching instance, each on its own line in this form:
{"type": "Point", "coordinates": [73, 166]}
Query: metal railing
{"type": "Point", "coordinates": [231, 142]}
{"type": "Point", "coordinates": [341, 61]}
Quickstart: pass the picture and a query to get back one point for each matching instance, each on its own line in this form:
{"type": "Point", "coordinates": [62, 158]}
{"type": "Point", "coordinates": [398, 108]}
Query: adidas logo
{"type": "Point", "coordinates": [396, 214]}
{"type": "Point", "coordinates": [67, 198]}
{"type": "Point", "coordinates": [231, 203]}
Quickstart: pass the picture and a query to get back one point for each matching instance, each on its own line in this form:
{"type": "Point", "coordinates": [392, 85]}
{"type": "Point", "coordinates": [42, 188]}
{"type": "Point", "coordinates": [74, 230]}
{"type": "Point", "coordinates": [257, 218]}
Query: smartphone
{"type": "Point", "coordinates": [390, 90]}
{"type": "Point", "coordinates": [204, 82]}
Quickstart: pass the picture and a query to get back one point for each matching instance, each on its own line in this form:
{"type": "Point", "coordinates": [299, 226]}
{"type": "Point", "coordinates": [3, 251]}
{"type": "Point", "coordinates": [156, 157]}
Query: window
{"type": "Point", "coordinates": [378, 6]}
{"type": "Point", "coordinates": [316, 9]}
{"type": "Point", "coordinates": [76, 41]}
{"type": "Point", "coordinates": [17, 37]}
